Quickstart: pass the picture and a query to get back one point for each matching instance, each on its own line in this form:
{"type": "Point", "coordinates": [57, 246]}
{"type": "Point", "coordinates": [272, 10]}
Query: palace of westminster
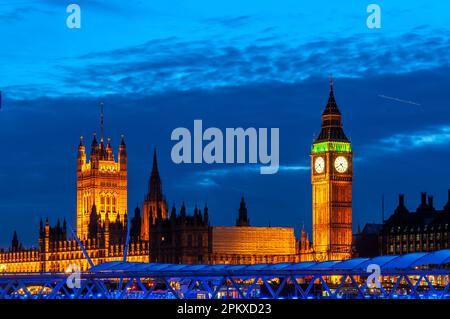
{"type": "Point", "coordinates": [158, 233]}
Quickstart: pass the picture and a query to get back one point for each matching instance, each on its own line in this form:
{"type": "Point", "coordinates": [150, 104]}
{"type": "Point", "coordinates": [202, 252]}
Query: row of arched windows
{"type": "Point", "coordinates": [108, 203]}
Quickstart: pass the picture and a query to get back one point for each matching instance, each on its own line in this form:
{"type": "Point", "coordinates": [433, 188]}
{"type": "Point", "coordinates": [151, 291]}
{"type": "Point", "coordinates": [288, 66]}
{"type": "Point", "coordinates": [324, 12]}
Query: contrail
{"type": "Point", "coordinates": [397, 99]}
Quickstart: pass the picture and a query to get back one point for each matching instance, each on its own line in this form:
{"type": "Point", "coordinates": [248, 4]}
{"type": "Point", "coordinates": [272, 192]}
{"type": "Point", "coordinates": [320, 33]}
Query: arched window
{"type": "Point", "coordinates": [114, 203]}
{"type": "Point", "coordinates": [108, 204]}
{"type": "Point", "coordinates": [102, 203]}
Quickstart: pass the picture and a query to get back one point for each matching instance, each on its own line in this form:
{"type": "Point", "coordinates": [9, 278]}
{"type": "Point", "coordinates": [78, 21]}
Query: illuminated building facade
{"type": "Point", "coordinates": [155, 205]}
{"type": "Point", "coordinates": [189, 239]}
{"type": "Point", "coordinates": [331, 177]}
{"type": "Point", "coordinates": [101, 183]}
{"type": "Point", "coordinates": [157, 236]}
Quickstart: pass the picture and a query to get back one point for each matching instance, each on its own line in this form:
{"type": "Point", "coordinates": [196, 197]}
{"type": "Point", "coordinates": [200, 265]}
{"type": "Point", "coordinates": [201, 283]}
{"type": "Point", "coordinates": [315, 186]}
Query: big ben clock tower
{"type": "Point", "coordinates": [331, 178]}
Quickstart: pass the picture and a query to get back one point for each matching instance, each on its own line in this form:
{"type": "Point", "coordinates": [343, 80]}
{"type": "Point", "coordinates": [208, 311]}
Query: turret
{"type": "Point", "coordinates": [196, 217]}
{"type": "Point", "coordinates": [183, 211]}
{"type": "Point", "coordinates": [81, 157]}
{"type": "Point", "coordinates": [46, 239]}
{"type": "Point", "coordinates": [122, 155]}
{"type": "Point", "coordinates": [242, 217]}
{"type": "Point", "coordinates": [206, 215]}
{"type": "Point", "coordinates": [94, 152]}
{"type": "Point", "coordinates": [109, 151]}
{"type": "Point", "coordinates": [15, 242]}
{"type": "Point", "coordinates": [173, 214]}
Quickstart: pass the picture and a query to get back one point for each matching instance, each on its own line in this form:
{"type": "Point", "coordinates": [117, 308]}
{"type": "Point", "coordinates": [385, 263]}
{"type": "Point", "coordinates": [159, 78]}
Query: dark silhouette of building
{"type": "Point", "coordinates": [155, 205]}
{"type": "Point", "coordinates": [181, 238]}
{"type": "Point", "coordinates": [242, 217]}
{"type": "Point", "coordinates": [426, 229]}
{"type": "Point", "coordinates": [365, 242]}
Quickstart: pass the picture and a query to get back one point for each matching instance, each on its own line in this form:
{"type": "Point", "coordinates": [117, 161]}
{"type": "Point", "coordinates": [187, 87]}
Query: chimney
{"type": "Point", "coordinates": [430, 202]}
{"type": "Point", "coordinates": [447, 206]}
{"type": "Point", "coordinates": [401, 200]}
{"type": "Point", "coordinates": [423, 200]}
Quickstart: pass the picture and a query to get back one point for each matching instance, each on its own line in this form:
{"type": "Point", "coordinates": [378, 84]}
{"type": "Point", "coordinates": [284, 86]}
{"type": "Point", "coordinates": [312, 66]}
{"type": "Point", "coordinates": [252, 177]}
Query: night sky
{"type": "Point", "coordinates": [159, 65]}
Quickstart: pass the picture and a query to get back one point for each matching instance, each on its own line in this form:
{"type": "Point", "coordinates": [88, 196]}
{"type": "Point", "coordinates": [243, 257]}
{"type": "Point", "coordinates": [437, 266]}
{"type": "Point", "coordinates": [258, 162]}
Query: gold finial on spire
{"type": "Point", "coordinates": [331, 81]}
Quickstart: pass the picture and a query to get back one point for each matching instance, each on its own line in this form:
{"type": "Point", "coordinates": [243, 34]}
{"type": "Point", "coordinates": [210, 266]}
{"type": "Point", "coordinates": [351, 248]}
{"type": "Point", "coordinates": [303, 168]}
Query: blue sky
{"type": "Point", "coordinates": [159, 65]}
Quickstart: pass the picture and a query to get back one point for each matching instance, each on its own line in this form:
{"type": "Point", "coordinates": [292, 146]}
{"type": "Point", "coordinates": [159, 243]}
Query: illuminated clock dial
{"type": "Point", "coordinates": [319, 165]}
{"type": "Point", "coordinates": [341, 164]}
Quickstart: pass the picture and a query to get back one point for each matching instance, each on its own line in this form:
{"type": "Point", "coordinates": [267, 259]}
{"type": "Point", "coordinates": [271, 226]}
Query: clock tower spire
{"type": "Point", "coordinates": [331, 178]}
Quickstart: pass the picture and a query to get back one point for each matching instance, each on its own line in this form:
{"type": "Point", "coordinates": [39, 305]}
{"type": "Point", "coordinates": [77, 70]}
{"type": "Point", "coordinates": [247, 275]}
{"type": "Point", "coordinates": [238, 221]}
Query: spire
{"type": "Point", "coordinates": [81, 142]}
{"type": "Point", "coordinates": [94, 144]}
{"type": "Point", "coordinates": [15, 242]}
{"type": "Point", "coordinates": [331, 121]}
{"type": "Point", "coordinates": [173, 213]}
{"type": "Point", "coordinates": [155, 162]}
{"type": "Point", "coordinates": [183, 210]}
{"type": "Point", "coordinates": [242, 217]}
{"type": "Point", "coordinates": [155, 184]}
{"type": "Point", "coordinates": [331, 107]}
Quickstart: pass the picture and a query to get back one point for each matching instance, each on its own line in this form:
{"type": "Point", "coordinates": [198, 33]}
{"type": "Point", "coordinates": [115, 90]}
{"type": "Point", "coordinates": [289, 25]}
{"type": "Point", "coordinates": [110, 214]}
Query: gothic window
{"type": "Point", "coordinates": [114, 203]}
{"type": "Point", "coordinates": [108, 204]}
{"type": "Point", "coordinates": [102, 203]}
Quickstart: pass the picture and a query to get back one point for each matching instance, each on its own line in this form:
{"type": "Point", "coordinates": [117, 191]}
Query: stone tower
{"type": "Point", "coordinates": [155, 205]}
{"type": "Point", "coordinates": [331, 177]}
{"type": "Point", "coordinates": [101, 181]}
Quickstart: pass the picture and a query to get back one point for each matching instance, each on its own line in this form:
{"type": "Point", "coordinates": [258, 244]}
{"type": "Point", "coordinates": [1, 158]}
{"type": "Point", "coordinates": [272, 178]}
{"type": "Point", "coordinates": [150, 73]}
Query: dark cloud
{"type": "Point", "coordinates": [172, 64]}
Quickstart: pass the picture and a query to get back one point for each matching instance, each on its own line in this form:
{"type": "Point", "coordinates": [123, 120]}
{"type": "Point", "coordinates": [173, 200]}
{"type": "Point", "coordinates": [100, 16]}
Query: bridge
{"type": "Point", "coordinates": [409, 276]}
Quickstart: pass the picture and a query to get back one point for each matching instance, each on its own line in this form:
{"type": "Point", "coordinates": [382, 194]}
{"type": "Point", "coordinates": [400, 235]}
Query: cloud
{"type": "Point", "coordinates": [173, 64]}
{"type": "Point", "coordinates": [433, 137]}
{"type": "Point", "coordinates": [211, 177]}
{"type": "Point", "coordinates": [231, 22]}
{"type": "Point", "coordinates": [19, 13]}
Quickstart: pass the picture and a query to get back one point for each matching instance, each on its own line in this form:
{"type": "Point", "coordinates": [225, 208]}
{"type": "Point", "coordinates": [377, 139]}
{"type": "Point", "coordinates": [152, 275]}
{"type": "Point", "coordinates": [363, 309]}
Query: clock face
{"type": "Point", "coordinates": [341, 164]}
{"type": "Point", "coordinates": [319, 165]}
